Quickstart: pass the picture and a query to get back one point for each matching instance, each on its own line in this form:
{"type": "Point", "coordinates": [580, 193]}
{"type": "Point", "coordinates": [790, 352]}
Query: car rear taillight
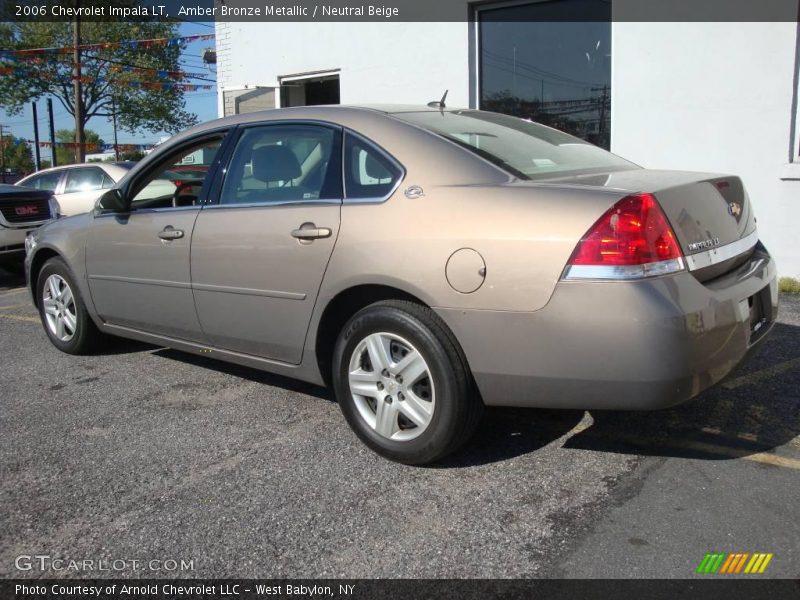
{"type": "Point", "coordinates": [631, 240]}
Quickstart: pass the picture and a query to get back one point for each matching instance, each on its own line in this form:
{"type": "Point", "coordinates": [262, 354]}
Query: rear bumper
{"type": "Point", "coordinates": [638, 345]}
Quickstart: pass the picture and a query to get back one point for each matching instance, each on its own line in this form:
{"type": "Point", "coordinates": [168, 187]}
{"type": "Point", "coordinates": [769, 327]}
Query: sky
{"type": "Point", "coordinates": [203, 102]}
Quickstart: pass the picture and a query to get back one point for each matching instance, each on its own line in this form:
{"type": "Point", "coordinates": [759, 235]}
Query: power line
{"type": "Point", "coordinates": [125, 64]}
{"type": "Point", "coordinates": [538, 70]}
{"type": "Point", "coordinates": [539, 79]}
{"type": "Point", "coordinates": [145, 43]}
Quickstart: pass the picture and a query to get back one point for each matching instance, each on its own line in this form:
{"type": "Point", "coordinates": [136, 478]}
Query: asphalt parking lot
{"type": "Point", "coordinates": [142, 454]}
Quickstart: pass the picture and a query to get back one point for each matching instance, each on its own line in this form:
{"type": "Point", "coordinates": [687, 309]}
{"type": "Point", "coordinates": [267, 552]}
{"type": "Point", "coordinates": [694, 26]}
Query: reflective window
{"type": "Point", "coordinates": [283, 163]}
{"type": "Point", "coordinates": [45, 181]}
{"type": "Point", "coordinates": [538, 62]}
{"type": "Point", "coordinates": [84, 180]}
{"type": "Point", "coordinates": [368, 172]}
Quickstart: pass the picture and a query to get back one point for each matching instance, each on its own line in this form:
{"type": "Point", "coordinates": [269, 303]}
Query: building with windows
{"type": "Point", "coordinates": [700, 96]}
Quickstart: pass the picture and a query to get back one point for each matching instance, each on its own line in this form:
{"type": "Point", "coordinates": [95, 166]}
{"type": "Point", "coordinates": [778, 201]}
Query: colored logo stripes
{"type": "Point", "coordinates": [735, 563]}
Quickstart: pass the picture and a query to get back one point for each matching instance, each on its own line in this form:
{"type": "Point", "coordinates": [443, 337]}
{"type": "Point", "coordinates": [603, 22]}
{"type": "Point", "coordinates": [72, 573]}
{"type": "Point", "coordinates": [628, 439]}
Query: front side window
{"type": "Point", "coordinates": [171, 183]}
{"type": "Point", "coordinates": [283, 163]}
{"type": "Point", "coordinates": [369, 173]}
{"type": "Point", "coordinates": [45, 181]}
{"type": "Point", "coordinates": [524, 149]}
{"type": "Point", "coordinates": [84, 180]}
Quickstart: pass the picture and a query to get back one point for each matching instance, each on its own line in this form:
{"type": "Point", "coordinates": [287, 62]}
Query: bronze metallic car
{"type": "Point", "coordinates": [424, 262]}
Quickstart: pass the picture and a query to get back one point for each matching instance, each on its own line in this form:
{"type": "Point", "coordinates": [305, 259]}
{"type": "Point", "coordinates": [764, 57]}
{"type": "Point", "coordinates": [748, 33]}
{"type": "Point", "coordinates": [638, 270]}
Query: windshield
{"type": "Point", "coordinates": [525, 149]}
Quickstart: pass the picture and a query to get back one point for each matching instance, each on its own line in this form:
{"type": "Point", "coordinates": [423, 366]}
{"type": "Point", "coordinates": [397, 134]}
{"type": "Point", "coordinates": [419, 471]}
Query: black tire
{"type": "Point", "coordinates": [86, 336]}
{"type": "Point", "coordinates": [457, 406]}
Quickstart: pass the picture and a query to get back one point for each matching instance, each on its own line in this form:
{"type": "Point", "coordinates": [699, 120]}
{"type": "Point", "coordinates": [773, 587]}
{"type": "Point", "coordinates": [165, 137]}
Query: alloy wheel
{"type": "Point", "coordinates": [59, 308]}
{"type": "Point", "coordinates": [392, 386]}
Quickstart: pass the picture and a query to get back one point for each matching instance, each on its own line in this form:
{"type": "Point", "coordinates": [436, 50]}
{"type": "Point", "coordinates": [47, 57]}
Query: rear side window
{"type": "Point", "coordinates": [369, 173]}
{"type": "Point", "coordinates": [45, 181]}
{"type": "Point", "coordinates": [284, 163]}
{"type": "Point", "coordinates": [84, 180]}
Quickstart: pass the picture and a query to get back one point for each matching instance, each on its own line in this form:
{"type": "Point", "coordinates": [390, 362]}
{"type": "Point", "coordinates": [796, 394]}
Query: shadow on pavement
{"type": "Point", "coordinates": [506, 433]}
{"type": "Point", "coordinates": [248, 373]}
{"type": "Point", "coordinates": [10, 280]}
{"type": "Point", "coordinates": [753, 411]}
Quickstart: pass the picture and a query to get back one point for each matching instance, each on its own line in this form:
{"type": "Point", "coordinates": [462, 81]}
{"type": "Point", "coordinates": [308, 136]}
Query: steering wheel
{"type": "Point", "coordinates": [187, 199]}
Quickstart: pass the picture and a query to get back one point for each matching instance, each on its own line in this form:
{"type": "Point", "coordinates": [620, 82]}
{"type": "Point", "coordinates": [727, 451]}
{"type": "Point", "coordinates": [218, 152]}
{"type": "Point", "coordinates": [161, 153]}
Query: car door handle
{"type": "Point", "coordinates": [170, 233]}
{"type": "Point", "coordinates": [309, 231]}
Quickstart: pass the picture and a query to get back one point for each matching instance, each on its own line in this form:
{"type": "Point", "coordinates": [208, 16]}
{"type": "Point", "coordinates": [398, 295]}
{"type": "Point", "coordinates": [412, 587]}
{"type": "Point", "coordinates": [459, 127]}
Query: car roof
{"type": "Point", "coordinates": [334, 112]}
{"type": "Point", "coordinates": [108, 167]}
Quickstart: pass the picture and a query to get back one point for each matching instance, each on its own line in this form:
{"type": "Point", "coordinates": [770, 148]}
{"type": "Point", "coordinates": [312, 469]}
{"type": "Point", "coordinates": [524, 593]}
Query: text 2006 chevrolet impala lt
{"type": "Point", "coordinates": [424, 262]}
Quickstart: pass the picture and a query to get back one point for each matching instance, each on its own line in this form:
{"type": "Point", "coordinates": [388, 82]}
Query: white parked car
{"type": "Point", "coordinates": [77, 187]}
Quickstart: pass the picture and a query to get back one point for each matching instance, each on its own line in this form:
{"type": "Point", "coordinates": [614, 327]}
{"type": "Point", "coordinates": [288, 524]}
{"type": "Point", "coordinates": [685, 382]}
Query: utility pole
{"type": "Point", "coordinates": [36, 156]}
{"type": "Point", "coordinates": [603, 102]}
{"type": "Point", "coordinates": [602, 125]}
{"type": "Point", "coordinates": [114, 120]}
{"type": "Point", "coordinates": [2, 154]}
{"type": "Point", "coordinates": [53, 161]}
{"type": "Point", "coordinates": [80, 149]}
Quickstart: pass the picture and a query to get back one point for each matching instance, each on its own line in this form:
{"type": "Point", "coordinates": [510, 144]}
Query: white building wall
{"type": "Point", "coordinates": [714, 97]}
{"type": "Point", "coordinates": [378, 62]}
{"type": "Point", "coordinates": [696, 96]}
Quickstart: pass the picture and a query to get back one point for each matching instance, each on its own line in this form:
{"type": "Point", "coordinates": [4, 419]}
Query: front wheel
{"type": "Point", "coordinates": [62, 311]}
{"type": "Point", "coordinates": [403, 383]}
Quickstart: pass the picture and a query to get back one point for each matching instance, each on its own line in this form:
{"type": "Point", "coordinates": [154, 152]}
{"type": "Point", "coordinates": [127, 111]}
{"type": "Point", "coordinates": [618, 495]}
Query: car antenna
{"type": "Point", "coordinates": [439, 103]}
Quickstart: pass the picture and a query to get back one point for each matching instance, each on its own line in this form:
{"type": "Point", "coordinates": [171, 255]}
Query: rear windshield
{"type": "Point", "coordinates": [525, 149]}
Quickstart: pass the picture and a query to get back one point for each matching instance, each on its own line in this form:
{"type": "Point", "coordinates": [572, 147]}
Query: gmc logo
{"type": "Point", "coordinates": [24, 211]}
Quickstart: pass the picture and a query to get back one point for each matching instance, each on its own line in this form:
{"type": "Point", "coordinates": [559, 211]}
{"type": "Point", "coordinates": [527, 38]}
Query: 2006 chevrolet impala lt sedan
{"type": "Point", "coordinates": [424, 262]}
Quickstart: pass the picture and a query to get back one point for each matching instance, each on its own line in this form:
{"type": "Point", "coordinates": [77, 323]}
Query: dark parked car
{"type": "Point", "coordinates": [21, 211]}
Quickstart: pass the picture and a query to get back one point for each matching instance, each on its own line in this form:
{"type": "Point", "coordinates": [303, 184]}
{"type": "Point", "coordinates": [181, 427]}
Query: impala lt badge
{"type": "Point", "coordinates": [709, 243]}
{"type": "Point", "coordinates": [734, 209]}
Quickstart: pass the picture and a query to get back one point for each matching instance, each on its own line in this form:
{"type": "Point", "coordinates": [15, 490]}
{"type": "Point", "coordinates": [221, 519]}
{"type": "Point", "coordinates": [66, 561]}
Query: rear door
{"type": "Point", "coordinates": [260, 252]}
{"type": "Point", "coordinates": [138, 262]}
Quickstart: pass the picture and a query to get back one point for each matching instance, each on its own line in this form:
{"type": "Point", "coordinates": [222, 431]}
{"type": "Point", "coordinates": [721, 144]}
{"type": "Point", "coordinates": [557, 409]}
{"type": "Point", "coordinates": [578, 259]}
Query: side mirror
{"type": "Point", "coordinates": [112, 201]}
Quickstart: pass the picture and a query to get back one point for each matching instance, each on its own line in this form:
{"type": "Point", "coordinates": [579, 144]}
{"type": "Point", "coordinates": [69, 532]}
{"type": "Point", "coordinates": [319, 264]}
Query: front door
{"type": "Point", "coordinates": [259, 254]}
{"type": "Point", "coordinates": [138, 263]}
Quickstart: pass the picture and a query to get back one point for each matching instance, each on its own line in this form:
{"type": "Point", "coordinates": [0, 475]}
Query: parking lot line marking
{"type": "Point", "coordinates": [707, 448]}
{"type": "Point", "coordinates": [10, 306]}
{"type": "Point", "coordinates": [20, 318]}
{"type": "Point", "coordinates": [757, 376]}
{"type": "Point", "coordinates": [759, 457]}
{"type": "Point", "coordinates": [12, 292]}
